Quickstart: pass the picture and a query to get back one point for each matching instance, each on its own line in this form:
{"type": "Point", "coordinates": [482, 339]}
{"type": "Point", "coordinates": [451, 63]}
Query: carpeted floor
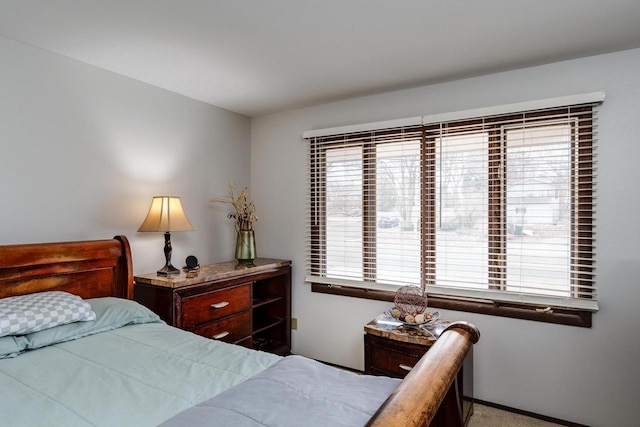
{"type": "Point", "coordinates": [486, 416]}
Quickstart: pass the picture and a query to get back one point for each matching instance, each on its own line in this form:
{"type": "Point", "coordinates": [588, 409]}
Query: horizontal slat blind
{"type": "Point", "coordinates": [363, 188]}
{"type": "Point", "coordinates": [498, 207]}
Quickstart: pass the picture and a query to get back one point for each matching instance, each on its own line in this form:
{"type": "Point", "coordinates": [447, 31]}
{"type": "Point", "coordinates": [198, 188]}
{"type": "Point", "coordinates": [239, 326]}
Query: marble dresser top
{"type": "Point", "coordinates": [211, 272]}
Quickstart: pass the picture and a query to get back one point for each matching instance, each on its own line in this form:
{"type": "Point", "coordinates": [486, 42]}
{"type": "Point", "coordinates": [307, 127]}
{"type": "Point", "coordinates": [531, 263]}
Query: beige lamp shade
{"type": "Point", "coordinates": [166, 214]}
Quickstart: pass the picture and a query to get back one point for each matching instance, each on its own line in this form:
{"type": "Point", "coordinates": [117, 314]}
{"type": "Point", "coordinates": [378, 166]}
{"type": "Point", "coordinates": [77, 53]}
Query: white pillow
{"type": "Point", "coordinates": [34, 312]}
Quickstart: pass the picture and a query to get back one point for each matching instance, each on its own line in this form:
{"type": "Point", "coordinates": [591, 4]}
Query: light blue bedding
{"type": "Point", "coordinates": [110, 313]}
{"type": "Point", "coordinates": [137, 375]}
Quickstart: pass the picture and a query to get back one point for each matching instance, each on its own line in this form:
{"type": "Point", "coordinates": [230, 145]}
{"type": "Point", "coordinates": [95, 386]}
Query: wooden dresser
{"type": "Point", "coordinates": [245, 304]}
{"type": "Point", "coordinates": [392, 350]}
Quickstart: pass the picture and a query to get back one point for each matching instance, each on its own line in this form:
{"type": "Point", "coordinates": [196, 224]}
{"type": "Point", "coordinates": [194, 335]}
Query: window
{"type": "Point", "coordinates": [490, 213]}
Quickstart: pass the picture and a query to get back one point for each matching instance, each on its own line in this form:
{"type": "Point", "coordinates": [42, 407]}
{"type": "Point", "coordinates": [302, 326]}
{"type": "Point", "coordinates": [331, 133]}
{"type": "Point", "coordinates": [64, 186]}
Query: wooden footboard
{"type": "Point", "coordinates": [417, 398]}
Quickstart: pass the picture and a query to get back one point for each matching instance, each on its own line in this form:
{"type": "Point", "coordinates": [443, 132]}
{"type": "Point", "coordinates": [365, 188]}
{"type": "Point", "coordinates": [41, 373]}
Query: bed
{"type": "Point", "coordinates": [117, 363]}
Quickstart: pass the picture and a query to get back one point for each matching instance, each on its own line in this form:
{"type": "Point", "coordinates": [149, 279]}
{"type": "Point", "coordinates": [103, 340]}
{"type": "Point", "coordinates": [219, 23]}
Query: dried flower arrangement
{"type": "Point", "coordinates": [245, 214]}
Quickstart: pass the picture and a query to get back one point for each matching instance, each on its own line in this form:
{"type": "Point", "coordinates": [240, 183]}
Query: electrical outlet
{"type": "Point", "coordinates": [294, 323]}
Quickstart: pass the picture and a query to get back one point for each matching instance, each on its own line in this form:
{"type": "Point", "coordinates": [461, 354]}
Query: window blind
{"type": "Point", "coordinates": [497, 207]}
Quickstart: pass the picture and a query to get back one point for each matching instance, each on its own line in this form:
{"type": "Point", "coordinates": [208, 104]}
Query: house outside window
{"type": "Point", "coordinates": [492, 214]}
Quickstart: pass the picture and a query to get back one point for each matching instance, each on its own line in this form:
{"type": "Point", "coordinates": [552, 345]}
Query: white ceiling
{"type": "Point", "coordinates": [259, 56]}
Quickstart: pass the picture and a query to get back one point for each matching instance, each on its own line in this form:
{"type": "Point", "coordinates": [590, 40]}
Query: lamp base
{"type": "Point", "coordinates": [168, 270]}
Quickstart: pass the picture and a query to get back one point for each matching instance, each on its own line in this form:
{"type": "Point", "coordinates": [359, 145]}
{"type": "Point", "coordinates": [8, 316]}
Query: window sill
{"type": "Point", "coordinates": [581, 318]}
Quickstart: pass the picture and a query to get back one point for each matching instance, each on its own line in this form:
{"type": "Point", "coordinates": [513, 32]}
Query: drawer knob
{"type": "Point", "coordinates": [405, 367]}
{"type": "Point", "coordinates": [220, 335]}
{"type": "Point", "coordinates": [220, 304]}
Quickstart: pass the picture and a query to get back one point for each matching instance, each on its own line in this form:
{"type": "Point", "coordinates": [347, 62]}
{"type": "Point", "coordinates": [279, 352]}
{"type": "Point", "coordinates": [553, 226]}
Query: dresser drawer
{"type": "Point", "coordinates": [204, 308]}
{"type": "Point", "coordinates": [231, 329]}
{"type": "Point", "coordinates": [386, 357]}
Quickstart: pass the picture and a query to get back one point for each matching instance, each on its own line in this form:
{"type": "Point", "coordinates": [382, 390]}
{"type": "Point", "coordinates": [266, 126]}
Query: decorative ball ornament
{"type": "Point", "coordinates": [411, 300]}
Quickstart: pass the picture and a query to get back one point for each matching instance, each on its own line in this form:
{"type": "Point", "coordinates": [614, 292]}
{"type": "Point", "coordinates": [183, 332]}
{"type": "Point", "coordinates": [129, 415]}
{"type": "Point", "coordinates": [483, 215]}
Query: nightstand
{"type": "Point", "coordinates": [391, 349]}
{"type": "Point", "coordinates": [245, 304]}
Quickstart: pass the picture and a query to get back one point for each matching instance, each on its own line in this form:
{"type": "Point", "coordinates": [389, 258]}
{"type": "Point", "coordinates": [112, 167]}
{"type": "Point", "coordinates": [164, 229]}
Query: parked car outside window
{"type": "Point", "coordinates": [388, 222]}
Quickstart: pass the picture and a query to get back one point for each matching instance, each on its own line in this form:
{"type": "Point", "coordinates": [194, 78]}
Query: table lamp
{"type": "Point", "coordinates": [166, 214]}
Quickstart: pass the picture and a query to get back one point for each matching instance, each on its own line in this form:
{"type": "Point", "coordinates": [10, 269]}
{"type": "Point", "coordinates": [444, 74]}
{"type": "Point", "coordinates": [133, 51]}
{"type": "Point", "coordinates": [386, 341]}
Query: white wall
{"type": "Point", "coordinates": [83, 151]}
{"type": "Point", "coordinates": [581, 375]}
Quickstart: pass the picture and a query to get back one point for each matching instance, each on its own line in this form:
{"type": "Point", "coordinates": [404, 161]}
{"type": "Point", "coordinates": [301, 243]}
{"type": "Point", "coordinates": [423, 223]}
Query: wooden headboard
{"type": "Point", "coordinates": [90, 269]}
